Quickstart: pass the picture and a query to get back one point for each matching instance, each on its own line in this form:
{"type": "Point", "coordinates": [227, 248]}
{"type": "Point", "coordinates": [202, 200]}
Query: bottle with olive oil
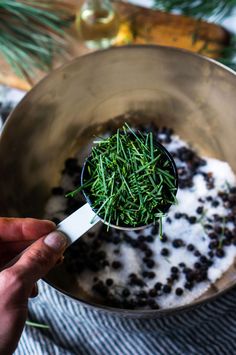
{"type": "Point", "coordinates": [97, 23]}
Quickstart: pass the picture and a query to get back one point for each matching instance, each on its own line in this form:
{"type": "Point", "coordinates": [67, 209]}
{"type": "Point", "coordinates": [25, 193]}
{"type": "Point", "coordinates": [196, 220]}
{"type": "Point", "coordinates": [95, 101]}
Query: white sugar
{"type": "Point", "coordinates": [195, 234]}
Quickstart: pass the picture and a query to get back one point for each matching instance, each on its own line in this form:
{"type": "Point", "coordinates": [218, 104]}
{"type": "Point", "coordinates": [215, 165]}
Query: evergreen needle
{"type": "Point", "coordinates": [31, 32]}
{"type": "Point", "coordinates": [37, 325]}
{"type": "Point", "coordinates": [129, 179]}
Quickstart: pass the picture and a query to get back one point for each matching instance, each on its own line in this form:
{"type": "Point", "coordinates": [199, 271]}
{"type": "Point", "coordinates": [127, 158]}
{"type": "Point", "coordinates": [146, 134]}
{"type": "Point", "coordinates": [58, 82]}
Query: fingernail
{"type": "Point", "coordinates": [56, 241]}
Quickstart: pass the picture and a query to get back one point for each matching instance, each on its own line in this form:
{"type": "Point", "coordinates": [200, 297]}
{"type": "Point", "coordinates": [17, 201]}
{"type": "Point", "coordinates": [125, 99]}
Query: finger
{"type": "Point", "coordinates": [16, 229]}
{"type": "Point", "coordinates": [38, 259]}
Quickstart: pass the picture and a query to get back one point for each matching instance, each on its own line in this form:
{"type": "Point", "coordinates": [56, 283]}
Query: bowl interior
{"type": "Point", "coordinates": [177, 89]}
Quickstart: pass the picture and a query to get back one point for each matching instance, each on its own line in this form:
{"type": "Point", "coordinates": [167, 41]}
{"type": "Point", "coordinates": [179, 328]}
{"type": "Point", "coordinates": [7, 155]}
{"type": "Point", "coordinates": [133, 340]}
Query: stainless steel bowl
{"type": "Point", "coordinates": [193, 95]}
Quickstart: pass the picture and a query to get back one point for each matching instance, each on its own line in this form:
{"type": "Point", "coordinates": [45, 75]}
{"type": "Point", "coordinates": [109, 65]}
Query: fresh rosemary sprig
{"type": "Point", "coordinates": [128, 179]}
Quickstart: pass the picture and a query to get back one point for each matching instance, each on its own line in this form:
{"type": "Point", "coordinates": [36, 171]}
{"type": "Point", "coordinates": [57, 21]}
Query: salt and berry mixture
{"type": "Point", "coordinates": [139, 269]}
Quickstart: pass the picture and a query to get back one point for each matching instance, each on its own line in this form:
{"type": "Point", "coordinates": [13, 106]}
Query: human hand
{"type": "Point", "coordinates": [17, 282]}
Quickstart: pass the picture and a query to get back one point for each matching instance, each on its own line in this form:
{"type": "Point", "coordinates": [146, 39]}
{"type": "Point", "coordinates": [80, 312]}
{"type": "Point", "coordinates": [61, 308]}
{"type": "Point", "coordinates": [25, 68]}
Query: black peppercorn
{"type": "Point", "coordinates": [190, 247]}
{"type": "Point", "coordinates": [150, 263]}
{"type": "Point", "coordinates": [174, 277]}
{"type": "Point", "coordinates": [220, 253]}
{"type": "Point", "coordinates": [199, 210]}
{"type": "Point", "coordinates": [150, 239]}
{"type": "Point", "coordinates": [197, 253]}
{"type": "Point", "coordinates": [142, 294]}
{"type": "Point", "coordinates": [212, 235]}
{"type": "Point", "coordinates": [143, 246]}
{"type": "Point", "coordinates": [182, 264]}
{"type": "Point", "coordinates": [163, 238]}
{"type": "Point", "coordinates": [208, 226]}
{"type": "Point", "coordinates": [116, 264]}
{"type": "Point", "coordinates": [226, 242]}
{"type": "Point", "coordinates": [125, 292]}
{"type": "Point", "coordinates": [211, 254]}
{"type": "Point", "coordinates": [158, 286]}
{"type": "Point", "coordinates": [218, 229]}
{"type": "Point", "coordinates": [165, 252]}
{"type": "Point", "coordinates": [192, 219]}
{"type": "Point", "coordinates": [209, 263]}
{"type": "Point", "coordinates": [209, 198]}
{"type": "Point", "coordinates": [141, 238]}
{"type": "Point", "coordinates": [145, 274]}
{"type": "Point", "coordinates": [215, 203]}
{"type": "Point", "coordinates": [213, 244]}
{"type": "Point", "coordinates": [178, 215]}
{"type": "Point", "coordinates": [197, 265]}
{"type": "Point", "coordinates": [151, 275]}
{"type": "Point", "coordinates": [132, 275]}
{"type": "Point", "coordinates": [148, 253]}
{"type": "Point", "coordinates": [174, 270]}
{"type": "Point", "coordinates": [179, 291]}
{"type": "Point", "coordinates": [152, 303]}
{"type": "Point", "coordinates": [152, 292]}
{"type": "Point", "coordinates": [155, 229]}
{"type": "Point", "coordinates": [177, 243]}
{"type": "Point", "coordinates": [167, 289]}
{"type": "Point", "coordinates": [203, 259]}
{"type": "Point", "coordinates": [109, 282]}
{"type": "Point", "coordinates": [188, 285]}
{"type": "Point", "coordinates": [100, 288]}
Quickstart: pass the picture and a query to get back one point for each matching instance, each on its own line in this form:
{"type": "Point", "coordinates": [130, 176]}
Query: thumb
{"type": "Point", "coordinates": [17, 282]}
{"type": "Point", "coordinates": [40, 257]}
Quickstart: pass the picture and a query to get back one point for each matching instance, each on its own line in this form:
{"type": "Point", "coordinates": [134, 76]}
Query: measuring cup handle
{"type": "Point", "coordinates": [78, 223]}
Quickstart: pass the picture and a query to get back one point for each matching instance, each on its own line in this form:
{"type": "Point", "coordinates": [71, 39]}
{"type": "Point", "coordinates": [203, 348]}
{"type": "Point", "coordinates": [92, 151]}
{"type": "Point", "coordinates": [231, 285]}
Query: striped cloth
{"type": "Point", "coordinates": [75, 329]}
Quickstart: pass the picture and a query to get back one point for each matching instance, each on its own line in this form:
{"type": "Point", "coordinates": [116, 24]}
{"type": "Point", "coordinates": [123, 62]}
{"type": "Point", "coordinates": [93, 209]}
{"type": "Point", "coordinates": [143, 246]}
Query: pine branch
{"type": "Point", "coordinates": [31, 32]}
{"type": "Point", "coordinates": [198, 8]}
{"type": "Point", "coordinates": [204, 9]}
{"type": "Point", "coordinates": [228, 54]}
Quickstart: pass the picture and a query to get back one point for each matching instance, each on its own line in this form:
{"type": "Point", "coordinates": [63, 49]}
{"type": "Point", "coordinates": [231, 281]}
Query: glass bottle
{"type": "Point", "coordinates": [97, 23]}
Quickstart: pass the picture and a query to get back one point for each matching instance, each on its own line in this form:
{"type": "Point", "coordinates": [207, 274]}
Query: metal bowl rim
{"type": "Point", "coordinates": [100, 307]}
{"type": "Point", "coordinates": [100, 52]}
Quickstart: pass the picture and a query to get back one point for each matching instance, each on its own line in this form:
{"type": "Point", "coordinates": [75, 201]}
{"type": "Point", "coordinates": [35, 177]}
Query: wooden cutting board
{"type": "Point", "coordinates": [138, 26]}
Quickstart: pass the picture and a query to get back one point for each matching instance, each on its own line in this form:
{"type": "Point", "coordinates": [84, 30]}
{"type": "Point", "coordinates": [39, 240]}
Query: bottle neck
{"type": "Point", "coordinates": [97, 3]}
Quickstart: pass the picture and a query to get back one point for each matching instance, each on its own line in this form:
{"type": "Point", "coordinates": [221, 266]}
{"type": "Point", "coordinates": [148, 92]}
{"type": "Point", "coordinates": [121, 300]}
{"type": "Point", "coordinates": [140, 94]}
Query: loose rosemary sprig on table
{"type": "Point", "coordinates": [128, 179]}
